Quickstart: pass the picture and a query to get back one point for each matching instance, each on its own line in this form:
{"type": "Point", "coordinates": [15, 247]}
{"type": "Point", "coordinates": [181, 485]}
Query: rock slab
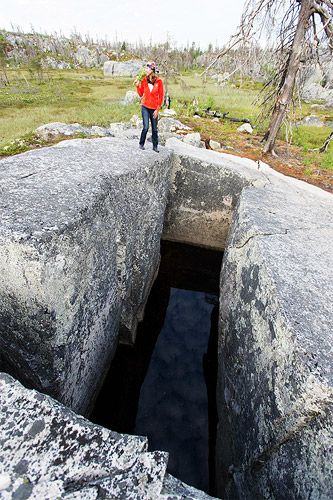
{"type": "Point", "coordinates": [49, 452]}
{"type": "Point", "coordinates": [275, 394]}
{"type": "Point", "coordinates": [79, 248]}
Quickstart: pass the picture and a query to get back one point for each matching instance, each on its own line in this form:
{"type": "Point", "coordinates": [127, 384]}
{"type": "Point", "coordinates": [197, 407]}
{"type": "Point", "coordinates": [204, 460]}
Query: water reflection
{"type": "Point", "coordinates": [173, 404]}
{"type": "Point", "coordinates": [164, 386]}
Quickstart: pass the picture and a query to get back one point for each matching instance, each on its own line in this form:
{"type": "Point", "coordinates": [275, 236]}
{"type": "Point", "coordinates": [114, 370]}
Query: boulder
{"type": "Point", "coordinates": [127, 130]}
{"type": "Point", "coordinates": [126, 68]}
{"type": "Point", "coordinates": [131, 133]}
{"type": "Point", "coordinates": [214, 145]}
{"type": "Point", "coordinates": [328, 74]}
{"type": "Point", "coordinates": [163, 137]}
{"type": "Point", "coordinates": [171, 125]}
{"type": "Point", "coordinates": [99, 131]}
{"type": "Point", "coordinates": [174, 489]}
{"type": "Point", "coordinates": [245, 128]}
{"type": "Point", "coordinates": [311, 74]}
{"type": "Point", "coordinates": [204, 192]}
{"type": "Point", "coordinates": [168, 113]}
{"type": "Point", "coordinates": [84, 57]}
{"type": "Point", "coordinates": [79, 248]}
{"type": "Point", "coordinates": [79, 238]}
{"type": "Point", "coordinates": [316, 84]}
{"type": "Point", "coordinates": [312, 121]}
{"type": "Point", "coordinates": [51, 62]}
{"type": "Point", "coordinates": [194, 139]}
{"type": "Point", "coordinates": [102, 58]}
{"type": "Point", "coordinates": [51, 131]}
{"type": "Point", "coordinates": [131, 97]}
{"type": "Point", "coordinates": [136, 121]}
{"type": "Point", "coordinates": [117, 127]}
{"type": "Point", "coordinates": [65, 449]}
{"type": "Point", "coordinates": [275, 381]}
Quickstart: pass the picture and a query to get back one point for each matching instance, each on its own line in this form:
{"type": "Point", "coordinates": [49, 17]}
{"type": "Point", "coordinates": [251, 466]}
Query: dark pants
{"type": "Point", "coordinates": [146, 114]}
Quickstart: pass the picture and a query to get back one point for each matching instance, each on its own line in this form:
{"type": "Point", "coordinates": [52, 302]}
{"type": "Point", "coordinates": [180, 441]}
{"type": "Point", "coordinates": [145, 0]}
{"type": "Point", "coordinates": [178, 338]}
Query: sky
{"type": "Point", "coordinates": [180, 21]}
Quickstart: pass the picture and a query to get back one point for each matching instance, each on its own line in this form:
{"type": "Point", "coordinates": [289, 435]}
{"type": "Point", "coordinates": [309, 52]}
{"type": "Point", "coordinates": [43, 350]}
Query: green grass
{"type": "Point", "coordinates": [238, 101]}
{"type": "Point", "coordinates": [66, 97]}
{"type": "Point", "coordinates": [311, 139]}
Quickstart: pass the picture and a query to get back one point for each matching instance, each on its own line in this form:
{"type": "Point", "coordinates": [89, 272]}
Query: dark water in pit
{"type": "Point", "coordinates": [164, 386]}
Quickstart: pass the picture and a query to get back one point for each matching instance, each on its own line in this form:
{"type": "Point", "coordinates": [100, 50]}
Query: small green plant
{"type": "Point", "coordinates": [308, 171]}
{"type": "Point", "coordinates": [327, 160]}
{"type": "Point", "coordinates": [35, 68]}
{"type": "Point", "coordinates": [210, 103]}
{"type": "Point", "coordinates": [21, 144]}
{"type": "Point", "coordinates": [142, 73]}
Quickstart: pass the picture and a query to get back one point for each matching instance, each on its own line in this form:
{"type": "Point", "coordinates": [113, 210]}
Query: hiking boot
{"type": "Point", "coordinates": [141, 147]}
{"type": "Point", "coordinates": [155, 149]}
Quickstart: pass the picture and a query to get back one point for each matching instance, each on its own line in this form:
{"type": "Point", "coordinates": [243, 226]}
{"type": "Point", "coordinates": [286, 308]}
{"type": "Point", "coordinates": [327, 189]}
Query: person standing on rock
{"type": "Point", "coordinates": [151, 91]}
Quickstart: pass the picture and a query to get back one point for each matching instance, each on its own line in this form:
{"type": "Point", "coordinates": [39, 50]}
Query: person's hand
{"type": "Point", "coordinates": [155, 114]}
{"type": "Point", "coordinates": [136, 82]}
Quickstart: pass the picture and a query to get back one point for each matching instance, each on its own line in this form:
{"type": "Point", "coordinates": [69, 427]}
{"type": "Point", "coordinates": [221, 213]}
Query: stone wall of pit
{"type": "Point", "coordinates": [205, 188]}
{"type": "Point", "coordinates": [79, 248]}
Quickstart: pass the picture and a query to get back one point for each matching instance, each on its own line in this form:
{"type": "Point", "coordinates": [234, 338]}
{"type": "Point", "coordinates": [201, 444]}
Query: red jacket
{"type": "Point", "coordinates": [151, 99]}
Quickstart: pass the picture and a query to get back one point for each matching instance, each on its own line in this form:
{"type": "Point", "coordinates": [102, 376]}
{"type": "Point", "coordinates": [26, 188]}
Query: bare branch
{"type": "Point", "coordinates": [327, 25]}
{"type": "Point", "coordinates": [246, 30]}
{"type": "Point", "coordinates": [326, 143]}
{"type": "Point", "coordinates": [221, 54]}
{"type": "Point", "coordinates": [328, 3]}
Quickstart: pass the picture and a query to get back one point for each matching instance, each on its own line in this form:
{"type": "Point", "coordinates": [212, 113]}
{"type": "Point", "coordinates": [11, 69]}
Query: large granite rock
{"type": "Point", "coordinates": [131, 97]}
{"type": "Point", "coordinates": [193, 139]}
{"type": "Point", "coordinates": [167, 125]}
{"type": "Point", "coordinates": [49, 452]}
{"type": "Point", "coordinates": [312, 121]}
{"type": "Point", "coordinates": [317, 82]}
{"type": "Point", "coordinates": [85, 57]}
{"type": "Point", "coordinates": [79, 248]}
{"type": "Point", "coordinates": [275, 350]}
{"type": "Point", "coordinates": [126, 68]}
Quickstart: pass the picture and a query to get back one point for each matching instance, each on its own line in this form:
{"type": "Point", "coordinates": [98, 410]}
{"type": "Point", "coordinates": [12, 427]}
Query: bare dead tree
{"type": "Point", "coordinates": [299, 39]}
{"type": "Point", "coordinates": [303, 27]}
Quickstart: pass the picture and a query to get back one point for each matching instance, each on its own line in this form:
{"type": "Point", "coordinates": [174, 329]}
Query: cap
{"type": "Point", "coordinates": [153, 67]}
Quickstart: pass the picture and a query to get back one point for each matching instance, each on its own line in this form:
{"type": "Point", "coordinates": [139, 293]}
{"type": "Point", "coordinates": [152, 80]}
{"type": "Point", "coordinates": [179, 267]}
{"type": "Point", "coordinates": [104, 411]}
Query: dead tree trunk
{"type": "Point", "coordinates": [288, 82]}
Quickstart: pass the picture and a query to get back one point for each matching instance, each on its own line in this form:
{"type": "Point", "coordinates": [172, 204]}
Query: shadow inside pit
{"type": "Point", "coordinates": [164, 387]}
